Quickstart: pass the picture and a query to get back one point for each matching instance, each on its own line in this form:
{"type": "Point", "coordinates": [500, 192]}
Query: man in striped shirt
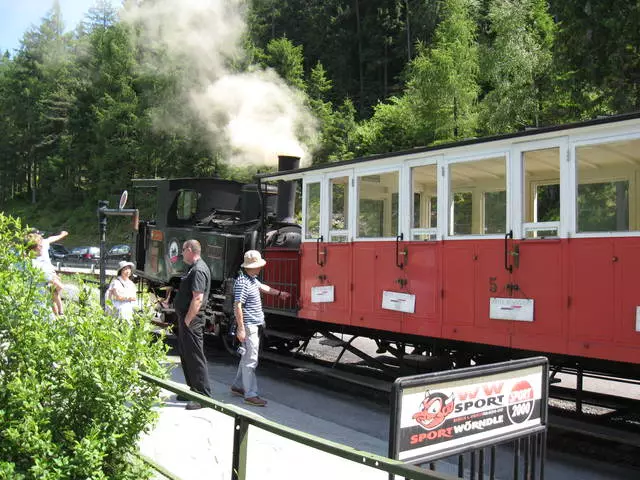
{"type": "Point", "coordinates": [247, 308]}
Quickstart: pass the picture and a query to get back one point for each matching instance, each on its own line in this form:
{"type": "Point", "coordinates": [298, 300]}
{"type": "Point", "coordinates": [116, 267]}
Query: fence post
{"type": "Point", "coordinates": [240, 443]}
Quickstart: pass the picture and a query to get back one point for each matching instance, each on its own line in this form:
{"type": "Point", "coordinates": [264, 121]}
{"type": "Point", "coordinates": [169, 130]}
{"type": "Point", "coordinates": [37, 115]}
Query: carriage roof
{"type": "Point", "coordinates": [529, 132]}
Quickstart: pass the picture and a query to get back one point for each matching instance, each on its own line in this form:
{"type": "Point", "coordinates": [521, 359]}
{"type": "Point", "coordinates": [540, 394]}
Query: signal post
{"type": "Point", "coordinates": [103, 212]}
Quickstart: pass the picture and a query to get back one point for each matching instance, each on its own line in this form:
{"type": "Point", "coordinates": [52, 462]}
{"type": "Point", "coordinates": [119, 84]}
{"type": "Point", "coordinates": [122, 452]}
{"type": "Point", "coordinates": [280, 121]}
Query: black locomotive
{"type": "Point", "coordinates": [226, 217]}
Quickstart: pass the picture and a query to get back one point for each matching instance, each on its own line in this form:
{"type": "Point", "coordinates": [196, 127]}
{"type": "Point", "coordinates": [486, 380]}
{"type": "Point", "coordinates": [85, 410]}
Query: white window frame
{"type": "Point", "coordinates": [363, 172]}
{"type": "Point", "coordinates": [520, 227]}
{"type": "Point", "coordinates": [445, 214]}
{"type": "Point", "coordinates": [634, 195]}
{"type": "Point", "coordinates": [406, 221]}
{"type": "Point", "coordinates": [305, 182]}
{"type": "Point", "coordinates": [349, 231]}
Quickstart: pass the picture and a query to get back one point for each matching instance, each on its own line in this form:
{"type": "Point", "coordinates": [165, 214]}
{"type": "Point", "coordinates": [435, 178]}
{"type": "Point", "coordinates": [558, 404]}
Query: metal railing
{"type": "Point", "coordinates": [241, 451]}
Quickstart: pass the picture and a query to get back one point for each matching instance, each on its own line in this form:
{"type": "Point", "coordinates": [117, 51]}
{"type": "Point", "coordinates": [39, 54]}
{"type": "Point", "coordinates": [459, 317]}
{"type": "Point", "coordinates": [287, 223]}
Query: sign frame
{"type": "Point", "coordinates": [464, 378]}
{"type": "Point", "coordinates": [398, 301]}
{"type": "Point", "coordinates": [323, 294]}
{"type": "Point", "coordinates": [515, 309]}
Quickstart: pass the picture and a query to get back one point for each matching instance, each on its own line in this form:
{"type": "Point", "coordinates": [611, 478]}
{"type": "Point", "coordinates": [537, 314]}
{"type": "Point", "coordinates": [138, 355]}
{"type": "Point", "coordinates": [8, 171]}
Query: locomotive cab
{"type": "Point", "coordinates": [221, 214]}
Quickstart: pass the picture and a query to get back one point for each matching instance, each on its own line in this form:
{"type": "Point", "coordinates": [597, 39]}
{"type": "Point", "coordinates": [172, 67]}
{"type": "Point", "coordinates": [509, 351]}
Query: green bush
{"type": "Point", "coordinates": [72, 403]}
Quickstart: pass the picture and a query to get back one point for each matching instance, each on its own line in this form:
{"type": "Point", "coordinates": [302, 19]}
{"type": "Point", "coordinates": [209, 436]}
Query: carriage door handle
{"type": "Point", "coordinates": [404, 253]}
{"type": "Point", "coordinates": [323, 252]}
{"type": "Point", "coordinates": [507, 236]}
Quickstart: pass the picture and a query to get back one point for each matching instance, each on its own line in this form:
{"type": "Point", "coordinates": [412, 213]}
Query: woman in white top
{"type": "Point", "coordinates": [122, 292]}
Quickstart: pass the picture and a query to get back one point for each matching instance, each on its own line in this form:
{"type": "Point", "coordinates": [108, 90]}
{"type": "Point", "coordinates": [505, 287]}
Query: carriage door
{"type": "Point", "coordinates": [535, 254]}
{"type": "Point", "coordinates": [326, 249]}
{"type": "Point", "coordinates": [421, 264]}
{"type": "Point", "coordinates": [337, 248]}
{"type": "Point", "coordinates": [312, 251]}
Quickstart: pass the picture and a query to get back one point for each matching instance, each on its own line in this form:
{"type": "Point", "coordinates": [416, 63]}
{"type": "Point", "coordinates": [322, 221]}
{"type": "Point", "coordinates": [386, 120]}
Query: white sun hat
{"type": "Point", "coordinates": [253, 259]}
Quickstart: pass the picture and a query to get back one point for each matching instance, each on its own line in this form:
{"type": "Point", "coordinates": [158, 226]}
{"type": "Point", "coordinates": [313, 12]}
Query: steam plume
{"type": "Point", "coordinates": [253, 112]}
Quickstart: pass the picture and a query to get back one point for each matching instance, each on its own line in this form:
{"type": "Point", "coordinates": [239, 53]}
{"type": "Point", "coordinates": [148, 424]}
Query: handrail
{"type": "Point", "coordinates": [400, 238]}
{"type": "Point", "coordinates": [318, 252]}
{"type": "Point", "coordinates": [507, 236]}
{"type": "Point", "coordinates": [244, 419]}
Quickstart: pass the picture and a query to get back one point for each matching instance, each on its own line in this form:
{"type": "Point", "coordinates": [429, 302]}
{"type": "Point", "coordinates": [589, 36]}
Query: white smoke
{"type": "Point", "coordinates": [254, 112]}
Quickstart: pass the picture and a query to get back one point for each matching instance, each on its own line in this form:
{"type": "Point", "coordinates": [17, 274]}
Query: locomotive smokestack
{"type": "Point", "coordinates": [286, 190]}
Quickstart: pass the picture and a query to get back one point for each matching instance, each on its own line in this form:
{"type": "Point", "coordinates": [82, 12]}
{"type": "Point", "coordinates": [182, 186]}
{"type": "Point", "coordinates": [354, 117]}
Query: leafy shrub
{"type": "Point", "coordinates": [72, 403]}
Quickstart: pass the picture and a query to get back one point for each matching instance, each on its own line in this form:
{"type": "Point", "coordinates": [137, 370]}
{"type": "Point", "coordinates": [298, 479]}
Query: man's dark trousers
{"type": "Point", "coordinates": [194, 363]}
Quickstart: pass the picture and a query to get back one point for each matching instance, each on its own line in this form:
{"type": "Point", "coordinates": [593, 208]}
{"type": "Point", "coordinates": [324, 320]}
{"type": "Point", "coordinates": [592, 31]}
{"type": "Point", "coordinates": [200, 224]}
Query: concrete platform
{"type": "Point", "coordinates": [198, 444]}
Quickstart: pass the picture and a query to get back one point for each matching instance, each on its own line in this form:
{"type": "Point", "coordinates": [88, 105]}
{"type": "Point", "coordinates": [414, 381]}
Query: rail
{"type": "Point", "coordinates": [243, 420]}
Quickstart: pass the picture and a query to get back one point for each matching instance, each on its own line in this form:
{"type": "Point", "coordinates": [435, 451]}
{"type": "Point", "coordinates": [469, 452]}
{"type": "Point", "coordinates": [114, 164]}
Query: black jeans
{"type": "Point", "coordinates": [194, 363]}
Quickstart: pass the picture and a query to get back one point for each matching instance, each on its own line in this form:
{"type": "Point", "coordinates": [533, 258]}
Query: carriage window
{"type": "Point", "coordinates": [478, 197]}
{"type": "Point", "coordinates": [425, 207]}
{"type": "Point", "coordinates": [377, 210]}
{"type": "Point", "coordinates": [462, 213]}
{"type": "Point", "coordinates": [338, 230]}
{"type": "Point", "coordinates": [312, 210]}
{"type": "Point", "coordinates": [603, 207]}
{"type": "Point", "coordinates": [187, 204]}
{"type": "Point", "coordinates": [605, 172]}
{"type": "Point", "coordinates": [495, 212]}
{"type": "Point", "coordinates": [541, 194]}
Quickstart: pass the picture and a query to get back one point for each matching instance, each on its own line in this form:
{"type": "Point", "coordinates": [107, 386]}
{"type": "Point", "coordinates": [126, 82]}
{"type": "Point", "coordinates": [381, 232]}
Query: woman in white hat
{"type": "Point", "coordinates": [247, 306]}
{"type": "Point", "coordinates": [122, 292]}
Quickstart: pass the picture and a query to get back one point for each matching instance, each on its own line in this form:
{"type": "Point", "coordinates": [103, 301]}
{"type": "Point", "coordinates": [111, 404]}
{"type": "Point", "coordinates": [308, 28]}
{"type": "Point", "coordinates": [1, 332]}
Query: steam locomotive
{"type": "Point", "coordinates": [227, 218]}
{"type": "Point", "coordinates": [470, 252]}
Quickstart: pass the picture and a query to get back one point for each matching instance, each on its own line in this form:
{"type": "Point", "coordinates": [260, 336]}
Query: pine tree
{"type": "Point", "coordinates": [515, 60]}
{"type": "Point", "coordinates": [443, 85]}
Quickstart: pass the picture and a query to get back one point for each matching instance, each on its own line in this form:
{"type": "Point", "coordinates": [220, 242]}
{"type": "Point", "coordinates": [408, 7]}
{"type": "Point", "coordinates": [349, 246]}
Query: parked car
{"type": "Point", "coordinates": [57, 253]}
{"type": "Point", "coordinates": [116, 254]}
{"type": "Point", "coordinates": [83, 257]}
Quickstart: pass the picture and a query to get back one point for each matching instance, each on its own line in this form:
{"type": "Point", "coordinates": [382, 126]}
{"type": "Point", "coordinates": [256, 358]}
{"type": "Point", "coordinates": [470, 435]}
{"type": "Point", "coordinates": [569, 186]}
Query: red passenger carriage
{"type": "Point", "coordinates": [479, 250]}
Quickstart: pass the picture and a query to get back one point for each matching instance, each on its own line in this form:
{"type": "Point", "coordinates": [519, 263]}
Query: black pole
{"type": "Point", "coordinates": [102, 220]}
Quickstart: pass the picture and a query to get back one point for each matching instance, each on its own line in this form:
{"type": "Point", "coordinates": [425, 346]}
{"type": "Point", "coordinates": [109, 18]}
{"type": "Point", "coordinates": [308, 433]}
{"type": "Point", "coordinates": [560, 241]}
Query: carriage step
{"type": "Point", "coordinates": [286, 335]}
{"type": "Point", "coordinates": [333, 342]}
{"type": "Point", "coordinates": [218, 296]}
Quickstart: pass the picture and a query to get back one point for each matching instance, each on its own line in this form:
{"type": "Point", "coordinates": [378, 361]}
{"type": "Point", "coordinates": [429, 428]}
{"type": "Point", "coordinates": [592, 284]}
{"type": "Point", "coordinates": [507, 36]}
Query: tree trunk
{"type": "Point", "coordinates": [406, 5]}
{"type": "Point", "coordinates": [360, 73]}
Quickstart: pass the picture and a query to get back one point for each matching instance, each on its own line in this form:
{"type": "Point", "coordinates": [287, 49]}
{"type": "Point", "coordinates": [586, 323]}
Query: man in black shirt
{"type": "Point", "coordinates": [190, 302]}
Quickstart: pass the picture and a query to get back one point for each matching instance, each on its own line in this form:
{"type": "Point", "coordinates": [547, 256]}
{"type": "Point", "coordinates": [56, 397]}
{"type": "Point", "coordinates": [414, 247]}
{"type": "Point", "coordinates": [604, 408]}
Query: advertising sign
{"type": "Point", "coordinates": [519, 309]}
{"type": "Point", "coordinates": [440, 414]}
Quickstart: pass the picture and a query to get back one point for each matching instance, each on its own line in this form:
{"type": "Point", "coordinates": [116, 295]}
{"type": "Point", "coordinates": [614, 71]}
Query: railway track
{"type": "Point", "coordinates": [607, 428]}
{"type": "Point", "coordinates": [604, 421]}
